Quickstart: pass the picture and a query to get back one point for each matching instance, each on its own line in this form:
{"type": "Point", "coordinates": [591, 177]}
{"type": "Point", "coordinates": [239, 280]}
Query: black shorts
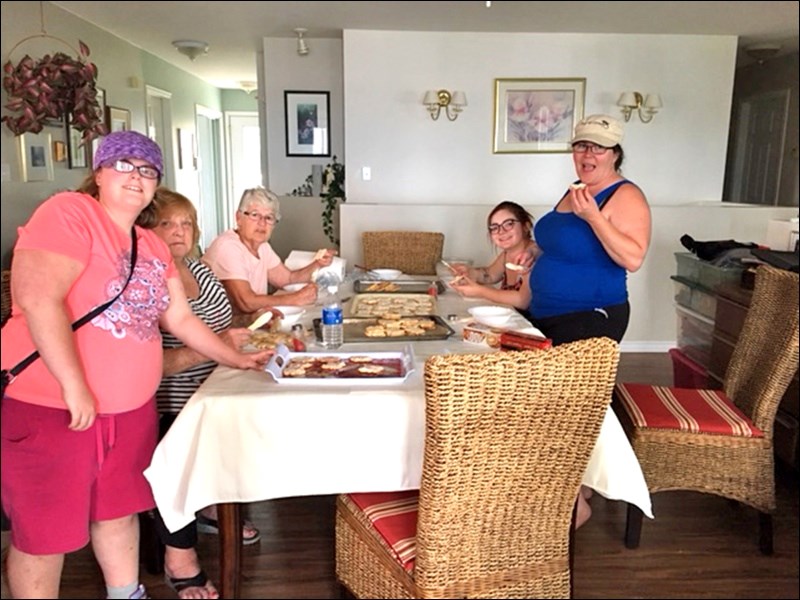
{"type": "Point", "coordinates": [609, 321]}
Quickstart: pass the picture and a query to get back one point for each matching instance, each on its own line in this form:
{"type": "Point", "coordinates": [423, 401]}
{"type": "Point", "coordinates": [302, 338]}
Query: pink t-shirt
{"type": "Point", "coordinates": [120, 349]}
{"type": "Point", "coordinates": [229, 258]}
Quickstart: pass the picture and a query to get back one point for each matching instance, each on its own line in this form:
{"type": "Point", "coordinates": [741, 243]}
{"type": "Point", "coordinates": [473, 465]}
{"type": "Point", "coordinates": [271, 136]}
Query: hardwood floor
{"type": "Point", "coordinates": [698, 546]}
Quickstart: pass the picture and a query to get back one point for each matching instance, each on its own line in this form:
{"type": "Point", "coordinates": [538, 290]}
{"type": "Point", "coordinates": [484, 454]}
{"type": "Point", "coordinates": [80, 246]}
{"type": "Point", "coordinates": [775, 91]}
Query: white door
{"type": "Point", "coordinates": [159, 128]}
{"type": "Point", "coordinates": [761, 131]}
{"type": "Point", "coordinates": [244, 157]}
{"type": "Point", "coordinates": [209, 160]}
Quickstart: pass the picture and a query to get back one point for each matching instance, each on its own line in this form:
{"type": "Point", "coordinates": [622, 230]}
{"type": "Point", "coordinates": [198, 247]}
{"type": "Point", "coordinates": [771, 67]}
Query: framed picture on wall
{"type": "Point", "coordinates": [536, 115]}
{"type": "Point", "coordinates": [118, 119]}
{"type": "Point", "coordinates": [77, 151]}
{"type": "Point", "coordinates": [36, 156]}
{"type": "Point", "coordinates": [307, 128]}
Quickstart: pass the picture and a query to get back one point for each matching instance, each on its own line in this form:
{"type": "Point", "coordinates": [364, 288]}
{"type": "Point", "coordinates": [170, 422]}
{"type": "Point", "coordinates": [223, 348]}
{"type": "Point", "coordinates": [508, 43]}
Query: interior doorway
{"type": "Point", "coordinates": [159, 128]}
{"type": "Point", "coordinates": [758, 156]}
{"type": "Point", "coordinates": [211, 208]}
{"type": "Point", "coordinates": [243, 156]}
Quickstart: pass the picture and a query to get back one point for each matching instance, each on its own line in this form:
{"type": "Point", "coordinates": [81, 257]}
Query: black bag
{"type": "Point", "coordinates": [10, 374]}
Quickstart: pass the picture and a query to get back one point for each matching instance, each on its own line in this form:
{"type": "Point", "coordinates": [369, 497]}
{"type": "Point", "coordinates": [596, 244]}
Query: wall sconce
{"type": "Point", "coordinates": [191, 48]}
{"type": "Point", "coordinates": [646, 106]}
{"type": "Point", "coordinates": [302, 45]}
{"type": "Point", "coordinates": [452, 104]}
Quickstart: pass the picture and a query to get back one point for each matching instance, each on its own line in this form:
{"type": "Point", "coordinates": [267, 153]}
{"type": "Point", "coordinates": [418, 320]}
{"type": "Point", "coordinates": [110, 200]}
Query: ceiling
{"type": "Point", "coordinates": [234, 30]}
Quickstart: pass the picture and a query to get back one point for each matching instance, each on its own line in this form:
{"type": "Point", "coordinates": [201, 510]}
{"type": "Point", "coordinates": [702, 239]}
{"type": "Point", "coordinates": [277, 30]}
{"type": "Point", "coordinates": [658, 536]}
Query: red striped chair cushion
{"type": "Point", "coordinates": [694, 411]}
{"type": "Point", "coordinates": [394, 517]}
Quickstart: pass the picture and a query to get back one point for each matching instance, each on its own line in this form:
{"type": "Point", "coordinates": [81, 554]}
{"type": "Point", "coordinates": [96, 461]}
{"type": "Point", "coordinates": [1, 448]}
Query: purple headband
{"type": "Point", "coordinates": [128, 144]}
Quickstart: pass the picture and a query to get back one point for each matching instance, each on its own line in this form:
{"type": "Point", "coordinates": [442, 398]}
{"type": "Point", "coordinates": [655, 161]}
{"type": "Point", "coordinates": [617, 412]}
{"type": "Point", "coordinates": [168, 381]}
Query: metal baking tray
{"type": "Point", "coordinates": [355, 327]}
{"type": "Point", "coordinates": [396, 286]}
{"type": "Point", "coordinates": [406, 305]}
{"type": "Point", "coordinates": [283, 355]}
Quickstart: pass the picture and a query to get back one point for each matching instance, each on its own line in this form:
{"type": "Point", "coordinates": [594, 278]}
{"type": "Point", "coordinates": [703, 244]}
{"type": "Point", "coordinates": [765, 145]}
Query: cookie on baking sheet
{"type": "Point", "coordinates": [427, 324]}
{"type": "Point", "coordinates": [334, 366]}
{"type": "Point", "coordinates": [375, 331]}
{"type": "Point", "coordinates": [370, 369]}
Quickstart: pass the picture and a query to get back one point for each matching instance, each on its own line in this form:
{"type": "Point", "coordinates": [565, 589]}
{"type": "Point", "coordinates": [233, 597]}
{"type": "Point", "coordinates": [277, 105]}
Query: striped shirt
{"type": "Point", "coordinates": [214, 309]}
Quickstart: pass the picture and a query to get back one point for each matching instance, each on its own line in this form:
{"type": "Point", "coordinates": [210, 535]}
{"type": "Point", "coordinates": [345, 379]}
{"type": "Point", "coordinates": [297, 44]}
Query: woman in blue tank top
{"type": "Point", "coordinates": [597, 232]}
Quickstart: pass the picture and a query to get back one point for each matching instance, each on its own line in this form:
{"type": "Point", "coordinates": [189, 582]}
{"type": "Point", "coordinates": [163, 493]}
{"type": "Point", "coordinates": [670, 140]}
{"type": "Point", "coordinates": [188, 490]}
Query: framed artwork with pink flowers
{"type": "Point", "coordinates": [536, 115]}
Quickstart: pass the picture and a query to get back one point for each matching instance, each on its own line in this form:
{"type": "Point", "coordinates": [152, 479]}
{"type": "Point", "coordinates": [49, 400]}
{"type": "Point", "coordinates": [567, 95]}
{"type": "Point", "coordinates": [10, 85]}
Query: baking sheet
{"type": "Point", "coordinates": [396, 286]}
{"type": "Point", "coordinates": [355, 327]}
{"type": "Point", "coordinates": [405, 305]}
{"type": "Point", "coordinates": [283, 355]}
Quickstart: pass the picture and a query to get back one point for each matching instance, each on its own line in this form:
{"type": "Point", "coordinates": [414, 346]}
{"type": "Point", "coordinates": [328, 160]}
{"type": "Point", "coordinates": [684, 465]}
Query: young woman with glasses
{"type": "Point", "coordinates": [505, 280]}
{"type": "Point", "coordinates": [247, 265]}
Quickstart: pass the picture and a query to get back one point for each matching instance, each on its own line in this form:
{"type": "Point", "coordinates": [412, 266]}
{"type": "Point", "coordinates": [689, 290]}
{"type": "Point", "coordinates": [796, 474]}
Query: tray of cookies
{"type": "Point", "coordinates": [340, 368]}
{"type": "Point", "coordinates": [384, 304]}
{"type": "Point", "coordinates": [392, 328]}
{"type": "Point", "coordinates": [396, 286]}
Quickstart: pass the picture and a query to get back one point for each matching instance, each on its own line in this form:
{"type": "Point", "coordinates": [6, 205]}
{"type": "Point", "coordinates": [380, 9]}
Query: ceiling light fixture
{"type": "Point", "coordinates": [302, 45]}
{"type": "Point", "coordinates": [191, 48]}
{"type": "Point", "coordinates": [248, 87]}
{"type": "Point", "coordinates": [762, 52]}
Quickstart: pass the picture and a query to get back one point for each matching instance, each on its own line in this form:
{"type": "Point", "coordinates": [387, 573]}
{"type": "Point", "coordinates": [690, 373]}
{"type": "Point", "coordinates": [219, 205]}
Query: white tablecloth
{"type": "Point", "coordinates": [244, 438]}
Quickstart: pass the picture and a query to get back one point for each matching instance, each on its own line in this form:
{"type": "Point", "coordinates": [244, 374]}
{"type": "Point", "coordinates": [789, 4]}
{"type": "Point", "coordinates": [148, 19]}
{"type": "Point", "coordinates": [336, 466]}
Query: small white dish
{"type": "Point", "coordinates": [294, 287]}
{"type": "Point", "coordinates": [262, 320]}
{"type": "Point", "coordinates": [386, 274]}
{"type": "Point", "coordinates": [291, 315]}
{"type": "Point", "coordinates": [493, 316]}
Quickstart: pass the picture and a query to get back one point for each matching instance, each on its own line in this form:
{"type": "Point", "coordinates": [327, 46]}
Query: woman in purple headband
{"type": "Point", "coordinates": [79, 425]}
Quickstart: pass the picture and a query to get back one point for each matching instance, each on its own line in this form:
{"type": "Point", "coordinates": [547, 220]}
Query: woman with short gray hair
{"type": "Point", "coordinates": [247, 265]}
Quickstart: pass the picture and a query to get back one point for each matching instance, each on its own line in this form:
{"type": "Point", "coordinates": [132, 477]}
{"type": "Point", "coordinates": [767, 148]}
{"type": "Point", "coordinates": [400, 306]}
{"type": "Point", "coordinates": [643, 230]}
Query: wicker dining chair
{"type": "Point", "coordinates": [720, 441]}
{"type": "Point", "coordinates": [508, 436]}
{"type": "Point", "coordinates": [413, 252]}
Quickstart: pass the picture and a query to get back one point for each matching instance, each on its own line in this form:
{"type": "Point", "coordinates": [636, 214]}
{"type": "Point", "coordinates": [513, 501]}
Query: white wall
{"type": "Point", "coordinates": [679, 156]}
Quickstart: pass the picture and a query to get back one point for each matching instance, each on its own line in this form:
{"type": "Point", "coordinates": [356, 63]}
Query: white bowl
{"type": "Point", "coordinates": [386, 274]}
{"type": "Point", "coordinates": [294, 287]}
{"type": "Point", "coordinates": [291, 315]}
{"type": "Point", "coordinates": [493, 316]}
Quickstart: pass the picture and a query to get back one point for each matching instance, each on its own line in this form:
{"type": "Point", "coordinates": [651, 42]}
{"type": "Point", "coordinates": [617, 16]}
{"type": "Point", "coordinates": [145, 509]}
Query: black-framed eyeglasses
{"type": "Point", "coordinates": [259, 218]}
{"type": "Point", "coordinates": [146, 171]}
{"type": "Point", "coordinates": [583, 147]}
{"type": "Point", "coordinates": [506, 225]}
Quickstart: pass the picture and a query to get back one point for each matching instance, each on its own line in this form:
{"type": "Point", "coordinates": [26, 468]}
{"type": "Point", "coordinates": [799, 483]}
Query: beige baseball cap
{"type": "Point", "coordinates": [602, 130]}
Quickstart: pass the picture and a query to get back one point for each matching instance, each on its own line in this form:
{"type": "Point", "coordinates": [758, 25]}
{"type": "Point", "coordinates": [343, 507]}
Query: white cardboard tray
{"type": "Point", "coordinates": [283, 355]}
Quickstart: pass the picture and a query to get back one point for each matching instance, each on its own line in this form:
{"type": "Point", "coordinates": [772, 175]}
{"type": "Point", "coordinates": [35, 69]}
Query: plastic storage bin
{"type": "Point", "coordinates": [695, 334]}
{"type": "Point", "coordinates": [686, 373]}
{"type": "Point", "coordinates": [695, 297]}
{"type": "Point", "coordinates": [704, 273]}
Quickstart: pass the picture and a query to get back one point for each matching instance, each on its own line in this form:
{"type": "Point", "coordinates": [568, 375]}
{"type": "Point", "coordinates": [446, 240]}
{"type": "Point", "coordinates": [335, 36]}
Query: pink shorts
{"type": "Point", "coordinates": [56, 481]}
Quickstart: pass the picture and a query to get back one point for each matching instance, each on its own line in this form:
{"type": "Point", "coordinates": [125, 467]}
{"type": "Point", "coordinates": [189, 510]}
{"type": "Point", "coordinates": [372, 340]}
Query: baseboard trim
{"type": "Point", "coordinates": [646, 346]}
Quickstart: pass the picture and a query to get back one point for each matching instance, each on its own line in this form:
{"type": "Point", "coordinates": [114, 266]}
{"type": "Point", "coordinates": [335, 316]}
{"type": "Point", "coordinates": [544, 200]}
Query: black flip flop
{"type": "Point", "coordinates": [178, 584]}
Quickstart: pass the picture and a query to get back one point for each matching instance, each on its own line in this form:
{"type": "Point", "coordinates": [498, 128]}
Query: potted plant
{"type": "Point", "coordinates": [53, 87]}
{"type": "Point", "coordinates": [332, 194]}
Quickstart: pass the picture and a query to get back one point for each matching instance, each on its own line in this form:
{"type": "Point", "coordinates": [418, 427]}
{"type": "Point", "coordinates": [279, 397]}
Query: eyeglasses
{"type": "Point", "coordinates": [506, 225]}
{"type": "Point", "coordinates": [259, 218]}
{"type": "Point", "coordinates": [146, 171]}
{"type": "Point", "coordinates": [583, 147]}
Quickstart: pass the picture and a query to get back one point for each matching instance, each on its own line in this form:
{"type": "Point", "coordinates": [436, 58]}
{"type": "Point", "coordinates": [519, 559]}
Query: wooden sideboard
{"type": "Point", "coordinates": [732, 304]}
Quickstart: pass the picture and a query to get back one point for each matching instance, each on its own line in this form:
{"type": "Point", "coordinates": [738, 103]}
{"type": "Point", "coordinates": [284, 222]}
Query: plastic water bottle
{"type": "Point", "coordinates": [332, 327]}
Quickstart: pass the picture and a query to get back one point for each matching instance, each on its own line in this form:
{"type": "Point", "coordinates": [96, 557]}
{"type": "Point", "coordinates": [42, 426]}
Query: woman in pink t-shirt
{"type": "Point", "coordinates": [247, 265]}
{"type": "Point", "coordinates": [79, 424]}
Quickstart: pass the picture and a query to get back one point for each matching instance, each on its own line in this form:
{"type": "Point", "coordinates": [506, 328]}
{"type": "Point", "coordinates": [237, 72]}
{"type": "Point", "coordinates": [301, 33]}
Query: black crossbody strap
{"type": "Point", "coordinates": [24, 363]}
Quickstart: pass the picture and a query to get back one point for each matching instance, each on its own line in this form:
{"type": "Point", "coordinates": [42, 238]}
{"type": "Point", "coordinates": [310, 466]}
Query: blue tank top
{"type": "Point", "coordinates": [573, 272]}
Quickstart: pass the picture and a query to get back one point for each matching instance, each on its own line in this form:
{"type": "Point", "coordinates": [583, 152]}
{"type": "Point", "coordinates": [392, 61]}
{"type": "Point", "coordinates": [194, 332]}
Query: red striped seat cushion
{"type": "Point", "coordinates": [690, 410]}
{"type": "Point", "coordinates": [394, 517]}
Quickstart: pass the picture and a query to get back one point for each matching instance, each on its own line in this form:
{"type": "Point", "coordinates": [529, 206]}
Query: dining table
{"type": "Point", "coordinates": [245, 437]}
